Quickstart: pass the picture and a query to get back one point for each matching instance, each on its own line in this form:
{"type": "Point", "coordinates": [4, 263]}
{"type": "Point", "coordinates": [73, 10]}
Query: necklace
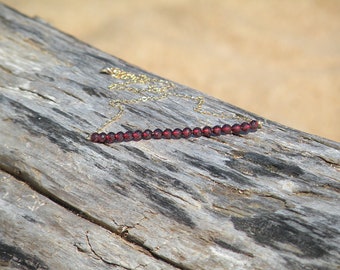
{"type": "Point", "coordinates": [177, 133]}
{"type": "Point", "coordinates": [156, 89]}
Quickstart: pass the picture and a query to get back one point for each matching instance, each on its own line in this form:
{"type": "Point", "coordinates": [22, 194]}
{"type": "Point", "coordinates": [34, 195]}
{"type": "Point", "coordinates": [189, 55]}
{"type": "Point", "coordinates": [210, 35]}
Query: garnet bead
{"type": "Point", "coordinates": [206, 131]}
{"type": "Point", "coordinates": [95, 137]}
{"type": "Point", "coordinates": [226, 129]}
{"type": "Point", "coordinates": [167, 133]}
{"type": "Point", "coordinates": [197, 132]}
{"type": "Point", "coordinates": [186, 132]}
{"type": "Point", "coordinates": [110, 137]}
{"type": "Point", "coordinates": [245, 127]}
{"type": "Point", "coordinates": [157, 134]}
{"type": "Point", "coordinates": [128, 136]}
{"type": "Point", "coordinates": [137, 135]}
{"type": "Point", "coordinates": [177, 133]}
{"type": "Point", "coordinates": [216, 130]}
{"type": "Point", "coordinates": [119, 136]}
{"type": "Point", "coordinates": [236, 129]}
{"type": "Point", "coordinates": [102, 137]}
{"type": "Point", "coordinates": [254, 124]}
{"type": "Point", "coordinates": [147, 134]}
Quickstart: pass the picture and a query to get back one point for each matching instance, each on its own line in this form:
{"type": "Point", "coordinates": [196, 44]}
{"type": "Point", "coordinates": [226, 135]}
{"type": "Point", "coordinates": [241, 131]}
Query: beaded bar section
{"type": "Point", "coordinates": [176, 133]}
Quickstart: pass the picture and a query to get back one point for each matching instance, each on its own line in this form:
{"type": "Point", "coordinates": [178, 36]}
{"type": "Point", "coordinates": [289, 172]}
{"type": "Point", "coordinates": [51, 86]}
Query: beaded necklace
{"type": "Point", "coordinates": [156, 89]}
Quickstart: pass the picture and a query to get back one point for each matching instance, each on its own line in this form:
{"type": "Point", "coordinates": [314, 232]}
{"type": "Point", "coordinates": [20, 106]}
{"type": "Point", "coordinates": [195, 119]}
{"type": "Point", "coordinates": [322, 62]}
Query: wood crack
{"type": "Point", "coordinates": [101, 257]}
{"type": "Point", "coordinates": [37, 94]}
{"type": "Point", "coordinates": [25, 177]}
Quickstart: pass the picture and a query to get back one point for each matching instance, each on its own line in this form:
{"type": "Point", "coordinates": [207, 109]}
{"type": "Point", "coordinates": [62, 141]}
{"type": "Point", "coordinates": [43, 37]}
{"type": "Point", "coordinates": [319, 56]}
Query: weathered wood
{"type": "Point", "coordinates": [268, 200]}
{"type": "Point", "coordinates": [51, 232]}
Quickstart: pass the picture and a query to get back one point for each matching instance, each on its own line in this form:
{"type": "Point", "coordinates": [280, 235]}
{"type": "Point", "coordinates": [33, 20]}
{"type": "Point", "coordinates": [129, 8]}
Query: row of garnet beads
{"type": "Point", "coordinates": [177, 133]}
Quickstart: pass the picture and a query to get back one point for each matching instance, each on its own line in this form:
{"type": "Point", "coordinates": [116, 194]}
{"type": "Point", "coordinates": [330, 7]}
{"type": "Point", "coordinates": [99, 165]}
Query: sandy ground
{"type": "Point", "coordinates": [279, 59]}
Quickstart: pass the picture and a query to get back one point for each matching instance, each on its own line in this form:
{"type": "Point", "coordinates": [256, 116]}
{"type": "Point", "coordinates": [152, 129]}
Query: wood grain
{"type": "Point", "coordinates": [266, 200]}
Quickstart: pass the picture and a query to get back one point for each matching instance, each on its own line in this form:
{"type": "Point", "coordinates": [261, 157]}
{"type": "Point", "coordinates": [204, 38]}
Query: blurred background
{"type": "Point", "coordinates": [278, 59]}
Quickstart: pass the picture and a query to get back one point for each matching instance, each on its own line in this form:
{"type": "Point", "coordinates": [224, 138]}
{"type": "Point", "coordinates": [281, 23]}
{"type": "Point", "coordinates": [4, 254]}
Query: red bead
{"type": "Point", "coordinates": [254, 124]}
{"type": "Point", "coordinates": [236, 129]}
{"type": "Point", "coordinates": [197, 132]}
{"type": "Point", "coordinates": [186, 132]}
{"type": "Point", "coordinates": [177, 133]}
{"type": "Point", "coordinates": [167, 133]}
{"type": "Point", "coordinates": [245, 127]}
{"type": "Point", "coordinates": [102, 137]}
{"type": "Point", "coordinates": [157, 134]}
{"type": "Point", "coordinates": [137, 135]}
{"type": "Point", "coordinates": [216, 130]}
{"type": "Point", "coordinates": [95, 137]}
{"type": "Point", "coordinates": [206, 131]}
{"type": "Point", "coordinates": [119, 136]}
{"type": "Point", "coordinates": [226, 129]}
{"type": "Point", "coordinates": [110, 137]}
{"type": "Point", "coordinates": [128, 136]}
{"type": "Point", "coordinates": [147, 134]}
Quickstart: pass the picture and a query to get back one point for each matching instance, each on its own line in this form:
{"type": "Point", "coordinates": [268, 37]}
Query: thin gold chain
{"type": "Point", "coordinates": [148, 89]}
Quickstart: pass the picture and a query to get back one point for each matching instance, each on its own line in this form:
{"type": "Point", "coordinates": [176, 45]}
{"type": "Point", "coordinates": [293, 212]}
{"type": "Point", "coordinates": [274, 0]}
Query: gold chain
{"type": "Point", "coordinates": [150, 89]}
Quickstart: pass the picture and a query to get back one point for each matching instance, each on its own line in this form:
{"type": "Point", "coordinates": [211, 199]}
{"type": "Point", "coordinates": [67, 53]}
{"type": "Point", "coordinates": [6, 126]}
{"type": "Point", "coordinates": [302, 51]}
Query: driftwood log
{"type": "Point", "coordinates": [265, 200]}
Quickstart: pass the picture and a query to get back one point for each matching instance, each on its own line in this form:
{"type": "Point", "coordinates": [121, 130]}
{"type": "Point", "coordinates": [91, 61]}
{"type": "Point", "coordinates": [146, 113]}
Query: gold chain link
{"type": "Point", "coordinates": [158, 88]}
